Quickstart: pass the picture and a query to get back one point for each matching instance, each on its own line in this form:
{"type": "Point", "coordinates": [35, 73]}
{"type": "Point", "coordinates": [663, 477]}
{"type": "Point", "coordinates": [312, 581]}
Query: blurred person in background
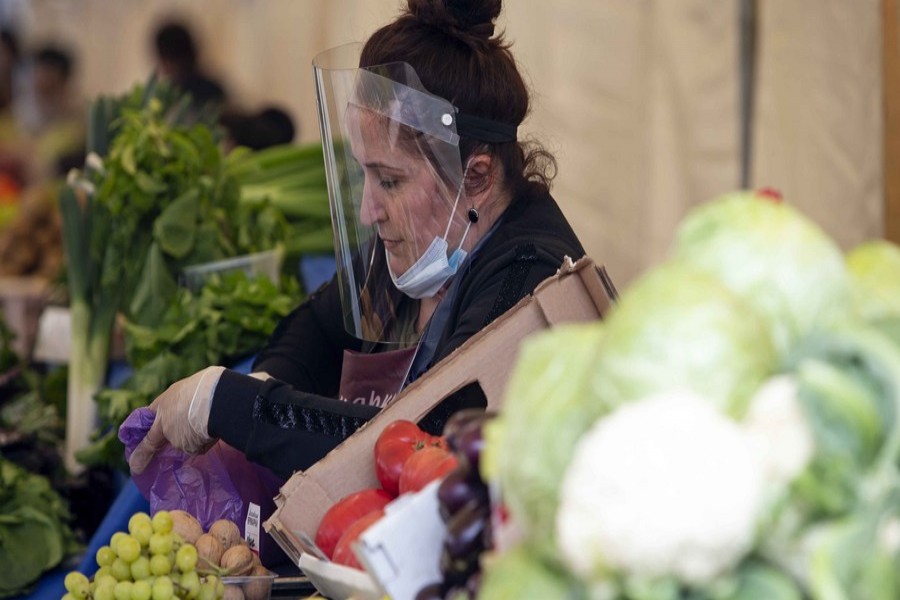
{"type": "Point", "coordinates": [178, 61]}
{"type": "Point", "coordinates": [270, 126]}
{"type": "Point", "coordinates": [33, 155]}
{"type": "Point", "coordinates": [12, 167]}
{"type": "Point", "coordinates": [47, 120]}
{"type": "Point", "coordinates": [61, 127]}
{"type": "Point", "coordinates": [10, 61]}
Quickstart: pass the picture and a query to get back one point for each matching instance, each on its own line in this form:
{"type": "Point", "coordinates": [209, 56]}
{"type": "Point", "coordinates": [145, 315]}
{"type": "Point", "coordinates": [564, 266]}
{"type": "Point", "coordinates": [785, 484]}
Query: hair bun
{"type": "Point", "coordinates": [461, 17]}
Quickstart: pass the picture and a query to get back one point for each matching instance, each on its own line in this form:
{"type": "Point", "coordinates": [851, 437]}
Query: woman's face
{"type": "Point", "coordinates": [403, 197]}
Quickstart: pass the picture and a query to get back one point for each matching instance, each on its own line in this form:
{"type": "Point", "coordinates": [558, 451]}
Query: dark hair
{"type": "Point", "coordinates": [452, 47]}
{"type": "Point", "coordinates": [280, 123]}
{"type": "Point", "coordinates": [55, 58]}
{"type": "Point", "coordinates": [175, 43]}
{"type": "Point", "coordinates": [270, 127]}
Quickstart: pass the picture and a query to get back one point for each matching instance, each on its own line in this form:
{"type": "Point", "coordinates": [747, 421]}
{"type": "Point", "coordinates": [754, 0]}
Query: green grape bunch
{"type": "Point", "coordinates": [150, 561]}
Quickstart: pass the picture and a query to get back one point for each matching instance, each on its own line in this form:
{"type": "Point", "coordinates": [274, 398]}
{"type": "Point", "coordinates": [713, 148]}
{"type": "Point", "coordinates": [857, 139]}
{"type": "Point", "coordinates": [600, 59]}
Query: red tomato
{"type": "Point", "coordinates": [395, 445]}
{"type": "Point", "coordinates": [344, 513]}
{"type": "Point", "coordinates": [425, 466]}
{"type": "Point", "coordinates": [343, 553]}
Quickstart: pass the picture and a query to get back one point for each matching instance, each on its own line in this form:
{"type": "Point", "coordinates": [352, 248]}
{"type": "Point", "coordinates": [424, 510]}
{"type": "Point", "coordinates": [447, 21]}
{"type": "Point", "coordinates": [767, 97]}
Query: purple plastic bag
{"type": "Point", "coordinates": [219, 484]}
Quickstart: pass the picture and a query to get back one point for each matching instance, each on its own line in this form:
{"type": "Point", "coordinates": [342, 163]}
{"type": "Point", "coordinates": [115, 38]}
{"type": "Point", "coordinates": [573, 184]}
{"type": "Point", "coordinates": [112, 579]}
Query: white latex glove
{"type": "Point", "coordinates": [182, 415]}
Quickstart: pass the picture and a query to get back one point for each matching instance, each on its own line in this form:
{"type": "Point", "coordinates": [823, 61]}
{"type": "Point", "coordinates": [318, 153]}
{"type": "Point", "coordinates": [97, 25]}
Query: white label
{"type": "Point", "coordinates": [251, 527]}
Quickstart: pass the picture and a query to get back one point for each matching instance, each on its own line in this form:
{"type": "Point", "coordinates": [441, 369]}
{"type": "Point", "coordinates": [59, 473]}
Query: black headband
{"type": "Point", "coordinates": [484, 130]}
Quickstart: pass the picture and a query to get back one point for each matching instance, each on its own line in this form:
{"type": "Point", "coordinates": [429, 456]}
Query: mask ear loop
{"type": "Point", "coordinates": [456, 204]}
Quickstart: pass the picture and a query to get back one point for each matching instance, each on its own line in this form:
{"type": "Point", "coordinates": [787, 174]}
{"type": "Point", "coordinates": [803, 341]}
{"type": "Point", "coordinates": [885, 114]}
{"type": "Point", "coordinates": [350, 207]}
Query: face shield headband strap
{"type": "Point", "coordinates": [484, 130]}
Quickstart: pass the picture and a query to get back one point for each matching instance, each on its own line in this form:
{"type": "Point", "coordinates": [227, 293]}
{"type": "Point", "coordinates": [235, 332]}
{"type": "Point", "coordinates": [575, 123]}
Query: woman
{"type": "Point", "coordinates": [443, 221]}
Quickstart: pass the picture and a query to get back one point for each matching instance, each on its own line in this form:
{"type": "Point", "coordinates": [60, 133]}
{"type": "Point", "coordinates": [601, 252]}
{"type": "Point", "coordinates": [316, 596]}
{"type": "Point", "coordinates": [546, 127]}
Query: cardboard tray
{"type": "Point", "coordinates": [579, 292]}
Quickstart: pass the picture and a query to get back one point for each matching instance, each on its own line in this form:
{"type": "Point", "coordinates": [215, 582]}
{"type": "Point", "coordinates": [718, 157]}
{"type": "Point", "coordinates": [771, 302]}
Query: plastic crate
{"type": "Point", "coordinates": [266, 263]}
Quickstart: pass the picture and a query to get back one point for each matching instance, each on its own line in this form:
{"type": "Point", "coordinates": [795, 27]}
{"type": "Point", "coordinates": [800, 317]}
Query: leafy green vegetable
{"type": "Point", "coordinates": [549, 386]}
{"type": "Point", "coordinates": [519, 573]}
{"type": "Point", "coordinates": [679, 328]}
{"type": "Point", "coordinates": [874, 269]}
{"type": "Point", "coordinates": [292, 178]}
{"type": "Point", "coordinates": [779, 262]}
{"type": "Point", "coordinates": [834, 528]}
{"type": "Point", "coordinates": [162, 197]}
{"type": "Point", "coordinates": [34, 531]}
{"type": "Point", "coordinates": [8, 356]}
{"type": "Point", "coordinates": [757, 580]}
{"type": "Point", "coordinates": [231, 316]}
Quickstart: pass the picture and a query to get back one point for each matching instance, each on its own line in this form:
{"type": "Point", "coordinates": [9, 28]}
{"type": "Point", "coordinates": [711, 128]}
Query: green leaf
{"type": "Point", "coordinates": [155, 289]}
{"type": "Point", "coordinates": [175, 228]}
{"type": "Point", "coordinates": [127, 159]}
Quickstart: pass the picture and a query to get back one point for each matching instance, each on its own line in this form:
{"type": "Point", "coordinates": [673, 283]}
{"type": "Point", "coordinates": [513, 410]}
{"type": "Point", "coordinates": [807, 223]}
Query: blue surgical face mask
{"type": "Point", "coordinates": [432, 270]}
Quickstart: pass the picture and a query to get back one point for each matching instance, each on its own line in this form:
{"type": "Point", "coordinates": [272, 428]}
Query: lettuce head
{"type": "Point", "coordinates": [678, 327]}
{"type": "Point", "coordinates": [874, 269]}
{"type": "Point", "coordinates": [521, 573]}
{"type": "Point", "coordinates": [773, 257]}
{"type": "Point", "coordinates": [547, 407]}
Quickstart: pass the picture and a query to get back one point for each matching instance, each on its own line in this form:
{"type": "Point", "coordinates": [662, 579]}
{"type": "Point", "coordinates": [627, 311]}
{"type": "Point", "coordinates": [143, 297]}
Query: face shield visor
{"type": "Point", "coordinates": [395, 186]}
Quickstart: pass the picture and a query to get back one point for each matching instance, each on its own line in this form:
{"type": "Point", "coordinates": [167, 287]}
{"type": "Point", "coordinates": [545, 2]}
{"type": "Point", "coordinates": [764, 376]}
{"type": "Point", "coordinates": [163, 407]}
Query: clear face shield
{"type": "Point", "coordinates": [395, 185]}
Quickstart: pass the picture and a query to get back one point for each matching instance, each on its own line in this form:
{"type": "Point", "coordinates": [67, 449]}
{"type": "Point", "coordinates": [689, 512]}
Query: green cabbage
{"type": "Point", "coordinates": [849, 384]}
{"type": "Point", "coordinates": [679, 328]}
{"type": "Point", "coordinates": [875, 275]}
{"type": "Point", "coordinates": [546, 410]}
{"type": "Point", "coordinates": [521, 574]}
{"type": "Point", "coordinates": [756, 581]}
{"type": "Point", "coordinates": [773, 257]}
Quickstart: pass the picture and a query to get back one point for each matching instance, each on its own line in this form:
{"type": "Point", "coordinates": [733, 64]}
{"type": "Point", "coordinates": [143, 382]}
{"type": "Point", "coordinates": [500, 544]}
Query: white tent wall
{"type": "Point", "coordinates": [819, 112]}
{"type": "Point", "coordinates": [638, 99]}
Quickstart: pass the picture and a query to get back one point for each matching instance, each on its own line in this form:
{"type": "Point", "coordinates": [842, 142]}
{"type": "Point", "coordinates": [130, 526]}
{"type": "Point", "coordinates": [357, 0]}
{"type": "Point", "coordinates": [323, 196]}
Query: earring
{"type": "Point", "coordinates": [473, 215]}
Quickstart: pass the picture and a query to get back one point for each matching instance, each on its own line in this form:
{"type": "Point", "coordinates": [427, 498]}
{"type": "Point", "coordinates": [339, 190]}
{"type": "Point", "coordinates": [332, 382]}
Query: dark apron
{"type": "Point", "coordinates": [374, 379]}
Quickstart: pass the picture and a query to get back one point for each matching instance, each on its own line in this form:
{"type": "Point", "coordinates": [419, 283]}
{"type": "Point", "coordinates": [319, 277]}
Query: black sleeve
{"type": "Point", "coordinates": [278, 426]}
{"type": "Point", "coordinates": [306, 349]}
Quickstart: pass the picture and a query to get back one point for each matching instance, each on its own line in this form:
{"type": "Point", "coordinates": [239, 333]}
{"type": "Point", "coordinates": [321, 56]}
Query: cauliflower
{"type": "Point", "coordinates": [779, 430]}
{"type": "Point", "coordinates": [663, 487]}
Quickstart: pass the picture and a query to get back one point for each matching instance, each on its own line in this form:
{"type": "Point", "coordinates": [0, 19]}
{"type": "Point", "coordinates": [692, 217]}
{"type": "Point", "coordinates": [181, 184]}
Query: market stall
{"type": "Point", "coordinates": [724, 426]}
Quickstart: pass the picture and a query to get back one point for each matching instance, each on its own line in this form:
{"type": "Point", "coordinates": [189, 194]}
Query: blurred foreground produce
{"type": "Point", "coordinates": [731, 430]}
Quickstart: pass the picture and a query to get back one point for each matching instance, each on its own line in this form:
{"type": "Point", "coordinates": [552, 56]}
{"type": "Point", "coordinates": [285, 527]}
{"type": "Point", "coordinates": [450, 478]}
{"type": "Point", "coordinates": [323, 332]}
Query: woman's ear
{"type": "Point", "coordinates": [479, 175]}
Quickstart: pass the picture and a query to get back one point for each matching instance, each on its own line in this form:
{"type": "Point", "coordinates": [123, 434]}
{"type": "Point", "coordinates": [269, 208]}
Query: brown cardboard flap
{"type": "Point", "coordinates": [579, 292]}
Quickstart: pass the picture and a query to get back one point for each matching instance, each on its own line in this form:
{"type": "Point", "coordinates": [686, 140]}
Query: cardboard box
{"type": "Point", "coordinates": [400, 552]}
{"type": "Point", "coordinates": [579, 292]}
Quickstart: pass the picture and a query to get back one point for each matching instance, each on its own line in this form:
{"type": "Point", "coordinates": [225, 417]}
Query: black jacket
{"type": "Point", "coordinates": [286, 429]}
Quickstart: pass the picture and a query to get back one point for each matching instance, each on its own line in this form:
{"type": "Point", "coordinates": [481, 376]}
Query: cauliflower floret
{"type": "Point", "coordinates": [666, 486]}
{"type": "Point", "coordinates": [779, 430]}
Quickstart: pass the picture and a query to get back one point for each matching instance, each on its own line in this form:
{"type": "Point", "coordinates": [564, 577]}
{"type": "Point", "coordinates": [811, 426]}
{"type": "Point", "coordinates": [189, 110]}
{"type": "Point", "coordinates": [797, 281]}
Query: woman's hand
{"type": "Point", "coordinates": [182, 414]}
